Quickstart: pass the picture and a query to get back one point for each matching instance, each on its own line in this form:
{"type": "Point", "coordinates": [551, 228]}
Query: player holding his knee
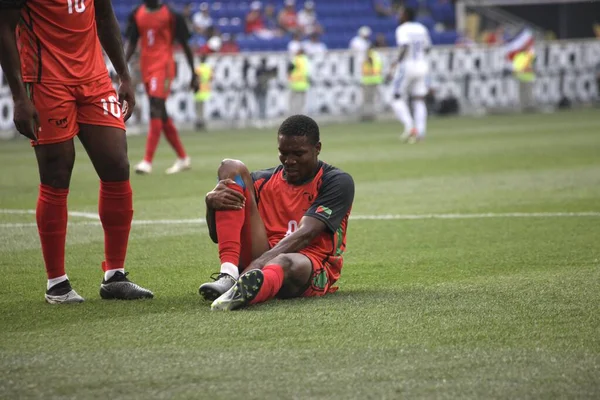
{"type": "Point", "coordinates": [283, 228]}
{"type": "Point", "coordinates": [61, 89]}
{"type": "Point", "coordinates": [156, 26]}
{"type": "Point", "coordinates": [411, 71]}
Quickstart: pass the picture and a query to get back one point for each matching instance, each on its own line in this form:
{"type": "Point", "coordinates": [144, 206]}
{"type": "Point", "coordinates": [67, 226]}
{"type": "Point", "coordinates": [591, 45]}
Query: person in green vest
{"type": "Point", "coordinates": [299, 83]}
{"type": "Point", "coordinates": [523, 70]}
{"type": "Point", "coordinates": [370, 80]}
{"type": "Point", "coordinates": [204, 71]}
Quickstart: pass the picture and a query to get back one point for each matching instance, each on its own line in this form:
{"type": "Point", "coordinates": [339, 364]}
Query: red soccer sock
{"type": "Point", "coordinates": [273, 274]}
{"type": "Point", "coordinates": [229, 227]}
{"type": "Point", "coordinates": [116, 211]}
{"type": "Point", "coordinates": [173, 138]}
{"type": "Point", "coordinates": [51, 217]}
{"type": "Point", "coordinates": [156, 126]}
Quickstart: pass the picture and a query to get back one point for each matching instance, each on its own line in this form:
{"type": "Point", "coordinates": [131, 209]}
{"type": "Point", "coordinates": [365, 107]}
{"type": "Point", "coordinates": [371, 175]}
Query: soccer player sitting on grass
{"type": "Point", "coordinates": [283, 228]}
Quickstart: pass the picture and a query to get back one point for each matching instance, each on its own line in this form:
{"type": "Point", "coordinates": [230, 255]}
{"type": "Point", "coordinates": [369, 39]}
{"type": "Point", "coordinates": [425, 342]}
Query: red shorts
{"type": "Point", "coordinates": [321, 281]}
{"type": "Point", "coordinates": [62, 108]}
{"type": "Point", "coordinates": [159, 85]}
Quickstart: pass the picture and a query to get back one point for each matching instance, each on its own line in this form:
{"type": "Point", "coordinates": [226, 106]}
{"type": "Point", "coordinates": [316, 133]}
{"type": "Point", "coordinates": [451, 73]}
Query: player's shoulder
{"type": "Point", "coordinates": [135, 12]}
{"type": "Point", "coordinates": [334, 174]}
{"type": "Point", "coordinates": [265, 174]}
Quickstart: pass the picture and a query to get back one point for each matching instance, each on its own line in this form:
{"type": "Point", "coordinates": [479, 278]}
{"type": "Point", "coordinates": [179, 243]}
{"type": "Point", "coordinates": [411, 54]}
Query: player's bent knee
{"type": "Point", "coordinates": [297, 270]}
{"type": "Point", "coordinates": [115, 169]}
{"type": "Point", "coordinates": [230, 168]}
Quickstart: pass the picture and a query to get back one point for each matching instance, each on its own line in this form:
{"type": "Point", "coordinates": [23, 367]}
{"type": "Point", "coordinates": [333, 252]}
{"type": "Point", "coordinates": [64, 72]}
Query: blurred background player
{"type": "Point", "coordinates": [298, 80]}
{"type": "Point", "coordinates": [371, 78]}
{"type": "Point", "coordinates": [284, 228]}
{"type": "Point", "coordinates": [523, 69]}
{"type": "Point", "coordinates": [158, 26]}
{"type": "Point", "coordinates": [411, 69]}
{"type": "Point", "coordinates": [61, 89]}
{"type": "Point", "coordinates": [205, 73]}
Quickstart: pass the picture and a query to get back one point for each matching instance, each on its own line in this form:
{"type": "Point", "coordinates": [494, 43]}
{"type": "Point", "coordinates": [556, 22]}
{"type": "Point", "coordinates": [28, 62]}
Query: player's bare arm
{"type": "Point", "coordinates": [401, 56]}
{"type": "Point", "coordinates": [308, 229]}
{"type": "Point", "coordinates": [133, 36]}
{"type": "Point", "coordinates": [110, 38]}
{"type": "Point", "coordinates": [25, 116]}
{"type": "Point", "coordinates": [183, 35]}
{"type": "Point", "coordinates": [219, 199]}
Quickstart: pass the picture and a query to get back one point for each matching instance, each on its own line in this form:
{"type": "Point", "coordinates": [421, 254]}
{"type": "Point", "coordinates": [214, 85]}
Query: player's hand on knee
{"type": "Point", "coordinates": [26, 118]}
{"type": "Point", "coordinates": [222, 197]}
{"type": "Point", "coordinates": [126, 98]}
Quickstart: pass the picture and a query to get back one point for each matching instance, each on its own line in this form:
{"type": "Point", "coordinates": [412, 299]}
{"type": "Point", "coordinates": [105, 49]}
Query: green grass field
{"type": "Point", "coordinates": [505, 305]}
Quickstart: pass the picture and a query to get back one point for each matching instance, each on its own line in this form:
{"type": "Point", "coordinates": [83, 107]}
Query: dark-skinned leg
{"type": "Point", "coordinates": [183, 162]}
{"type": "Point", "coordinates": [242, 235]}
{"type": "Point", "coordinates": [287, 275]}
{"type": "Point", "coordinates": [157, 118]}
{"type": "Point", "coordinates": [107, 149]}
{"type": "Point", "coordinates": [55, 164]}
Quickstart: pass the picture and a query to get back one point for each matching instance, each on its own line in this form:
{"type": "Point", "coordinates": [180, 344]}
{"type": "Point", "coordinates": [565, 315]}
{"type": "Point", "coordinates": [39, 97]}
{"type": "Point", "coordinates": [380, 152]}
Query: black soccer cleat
{"type": "Point", "coordinates": [242, 293]}
{"type": "Point", "coordinates": [212, 290]}
{"type": "Point", "coordinates": [120, 288]}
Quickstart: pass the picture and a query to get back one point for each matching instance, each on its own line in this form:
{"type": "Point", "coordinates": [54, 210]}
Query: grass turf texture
{"type": "Point", "coordinates": [461, 308]}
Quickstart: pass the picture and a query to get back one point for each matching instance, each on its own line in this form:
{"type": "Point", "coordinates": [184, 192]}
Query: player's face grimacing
{"type": "Point", "coordinates": [299, 157]}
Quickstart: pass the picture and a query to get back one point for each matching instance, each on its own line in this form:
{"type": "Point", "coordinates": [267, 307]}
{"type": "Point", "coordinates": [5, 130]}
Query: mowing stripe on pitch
{"type": "Point", "coordinates": [385, 217]}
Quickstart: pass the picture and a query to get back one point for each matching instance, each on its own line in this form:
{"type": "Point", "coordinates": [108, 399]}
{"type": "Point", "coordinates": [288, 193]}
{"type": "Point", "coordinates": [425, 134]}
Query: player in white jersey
{"type": "Point", "coordinates": [411, 71]}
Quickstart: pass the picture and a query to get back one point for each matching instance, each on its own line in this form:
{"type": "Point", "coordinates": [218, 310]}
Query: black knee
{"type": "Point", "coordinates": [56, 175]}
{"type": "Point", "coordinates": [295, 276]}
{"type": "Point", "coordinates": [55, 167]}
{"type": "Point", "coordinates": [115, 168]}
{"type": "Point", "coordinates": [229, 169]}
{"type": "Point", "coordinates": [158, 108]}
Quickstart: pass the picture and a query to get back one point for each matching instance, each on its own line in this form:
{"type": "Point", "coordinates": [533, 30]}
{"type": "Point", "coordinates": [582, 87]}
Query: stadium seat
{"type": "Point", "coordinates": [339, 18]}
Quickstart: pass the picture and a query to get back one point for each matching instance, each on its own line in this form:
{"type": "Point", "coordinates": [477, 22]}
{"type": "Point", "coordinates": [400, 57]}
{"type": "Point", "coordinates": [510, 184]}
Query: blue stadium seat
{"type": "Point", "coordinates": [340, 19]}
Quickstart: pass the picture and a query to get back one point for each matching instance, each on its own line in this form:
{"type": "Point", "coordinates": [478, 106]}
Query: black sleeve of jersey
{"type": "Point", "coordinates": [182, 33]}
{"type": "Point", "coordinates": [132, 33]}
{"type": "Point", "coordinates": [12, 4]}
{"type": "Point", "coordinates": [334, 200]}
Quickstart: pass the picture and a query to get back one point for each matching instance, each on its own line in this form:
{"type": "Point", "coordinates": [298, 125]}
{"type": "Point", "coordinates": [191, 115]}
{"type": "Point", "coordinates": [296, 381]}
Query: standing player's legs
{"type": "Point", "coordinates": [102, 133]}
{"type": "Point", "coordinates": [419, 91]}
{"type": "Point", "coordinates": [158, 88]}
{"type": "Point", "coordinates": [241, 233]}
{"type": "Point", "coordinates": [55, 154]}
{"type": "Point", "coordinates": [402, 85]}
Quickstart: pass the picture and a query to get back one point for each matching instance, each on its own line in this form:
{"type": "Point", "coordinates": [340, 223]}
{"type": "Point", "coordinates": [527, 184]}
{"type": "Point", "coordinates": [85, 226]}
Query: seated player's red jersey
{"type": "Point", "coordinates": [58, 42]}
{"type": "Point", "coordinates": [327, 197]}
{"type": "Point", "coordinates": [157, 30]}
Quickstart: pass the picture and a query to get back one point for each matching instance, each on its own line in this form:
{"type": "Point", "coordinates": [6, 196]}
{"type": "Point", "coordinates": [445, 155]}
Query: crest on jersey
{"type": "Point", "coordinates": [324, 211]}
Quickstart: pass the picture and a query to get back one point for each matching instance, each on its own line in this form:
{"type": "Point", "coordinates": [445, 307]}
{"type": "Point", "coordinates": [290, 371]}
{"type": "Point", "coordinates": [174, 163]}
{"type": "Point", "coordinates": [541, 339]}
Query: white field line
{"type": "Point", "coordinates": [201, 221]}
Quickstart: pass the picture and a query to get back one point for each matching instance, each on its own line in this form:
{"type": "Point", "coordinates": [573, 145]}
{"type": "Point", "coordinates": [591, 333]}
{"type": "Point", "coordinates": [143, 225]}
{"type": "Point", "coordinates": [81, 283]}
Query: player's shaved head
{"type": "Point", "coordinates": [408, 14]}
{"type": "Point", "coordinates": [301, 125]}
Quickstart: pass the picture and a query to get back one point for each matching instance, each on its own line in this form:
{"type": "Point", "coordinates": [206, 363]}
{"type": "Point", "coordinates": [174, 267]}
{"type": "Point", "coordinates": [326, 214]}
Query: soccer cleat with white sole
{"type": "Point", "coordinates": [181, 164]}
{"type": "Point", "coordinates": [120, 288]}
{"type": "Point", "coordinates": [212, 290]}
{"type": "Point", "coordinates": [242, 293]}
{"type": "Point", "coordinates": [144, 167]}
{"type": "Point", "coordinates": [62, 293]}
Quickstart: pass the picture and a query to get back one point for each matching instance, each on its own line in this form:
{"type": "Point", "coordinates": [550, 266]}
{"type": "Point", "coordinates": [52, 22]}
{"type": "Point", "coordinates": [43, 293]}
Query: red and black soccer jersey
{"type": "Point", "coordinates": [157, 30]}
{"type": "Point", "coordinates": [327, 197]}
{"type": "Point", "coordinates": [58, 41]}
